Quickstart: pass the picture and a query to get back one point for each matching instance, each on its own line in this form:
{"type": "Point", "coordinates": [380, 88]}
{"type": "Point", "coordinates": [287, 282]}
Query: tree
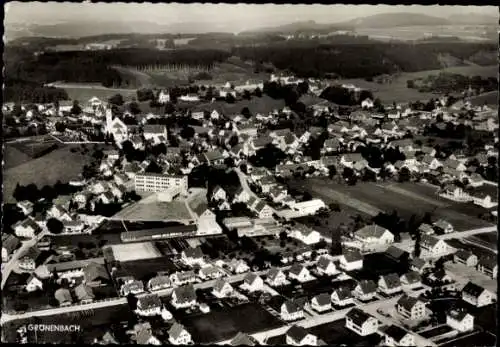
{"type": "Point", "coordinates": [258, 92]}
{"type": "Point", "coordinates": [153, 167]}
{"type": "Point", "coordinates": [133, 108]}
{"type": "Point", "coordinates": [76, 109]}
{"type": "Point", "coordinates": [145, 94]}
{"type": "Point", "coordinates": [404, 175]}
{"type": "Point", "coordinates": [246, 112]}
{"type": "Point", "coordinates": [247, 95]}
{"type": "Point", "coordinates": [230, 98]}
{"type": "Point", "coordinates": [187, 133]}
{"type": "Point", "coordinates": [55, 226]}
{"type": "Point", "coordinates": [332, 171]}
{"type": "Point", "coordinates": [60, 127]}
{"type": "Point", "coordinates": [132, 301]}
{"type": "Point", "coordinates": [116, 99]}
{"type": "Point", "coordinates": [410, 84]}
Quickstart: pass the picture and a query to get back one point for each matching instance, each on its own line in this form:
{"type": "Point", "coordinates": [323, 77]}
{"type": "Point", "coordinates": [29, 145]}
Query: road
{"type": "Point", "coordinates": [244, 184]}
{"type": "Point", "coordinates": [320, 319]}
{"type": "Point", "coordinates": [464, 234]}
{"type": "Point", "coordinates": [119, 301]}
{"type": "Point", "coordinates": [8, 267]}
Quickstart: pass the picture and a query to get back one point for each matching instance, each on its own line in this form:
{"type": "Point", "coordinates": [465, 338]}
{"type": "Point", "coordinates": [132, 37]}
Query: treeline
{"type": "Point", "coordinates": [344, 96]}
{"type": "Point", "coordinates": [25, 91]}
{"type": "Point", "coordinates": [451, 82]}
{"type": "Point", "coordinates": [359, 60]}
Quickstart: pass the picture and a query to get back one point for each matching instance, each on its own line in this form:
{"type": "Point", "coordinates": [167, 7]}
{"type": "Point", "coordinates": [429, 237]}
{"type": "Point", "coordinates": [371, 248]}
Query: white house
{"type": "Point", "coordinates": [26, 228]}
{"type": "Point", "coordinates": [158, 283]}
{"type": "Point", "coordinates": [390, 284]}
{"type": "Point", "coordinates": [149, 305]}
{"type": "Point", "coordinates": [465, 257]}
{"type": "Point", "coordinates": [397, 336]}
{"type": "Point", "coordinates": [321, 302]}
{"type": "Point", "coordinates": [411, 280]}
{"type": "Point", "coordinates": [374, 234]}
{"type": "Point", "coordinates": [305, 234]}
{"type": "Point", "coordinates": [410, 307]}
{"type": "Point", "coordinates": [291, 310]}
{"type": "Point", "coordinates": [25, 206]}
{"type": "Point", "coordinates": [444, 226]}
{"type": "Point", "coordinates": [33, 283]}
{"type": "Point", "coordinates": [342, 296]}
{"type": "Point", "coordinates": [434, 247]}
{"type": "Point", "coordinates": [488, 266]}
{"type": "Point", "coordinates": [300, 273]}
{"type": "Point", "coordinates": [222, 289]}
{"type": "Point", "coordinates": [276, 277]}
{"type": "Point", "coordinates": [219, 193]}
{"type": "Point", "coordinates": [325, 266]}
{"type": "Point", "coordinates": [367, 103]}
{"type": "Point", "coordinates": [178, 335]}
{"type": "Point", "coordinates": [253, 282]}
{"type": "Point", "coordinates": [477, 295]}
{"type": "Point", "coordinates": [360, 322]}
{"type": "Point", "coordinates": [365, 290]}
{"type": "Point", "coordinates": [192, 256]}
{"type": "Point", "coordinates": [351, 260]}
{"type": "Point", "coordinates": [298, 336]}
{"type": "Point", "coordinates": [460, 320]}
{"type": "Point", "coordinates": [183, 297]}
{"type": "Point", "coordinates": [238, 266]}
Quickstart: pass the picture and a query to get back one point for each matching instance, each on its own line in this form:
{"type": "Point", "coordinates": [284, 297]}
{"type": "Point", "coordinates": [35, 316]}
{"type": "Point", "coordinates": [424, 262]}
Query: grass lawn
{"type": "Point", "coordinates": [85, 94]}
{"type": "Point", "coordinates": [14, 157]}
{"type": "Point", "coordinates": [93, 323]}
{"type": "Point", "coordinates": [220, 325]}
{"type": "Point", "coordinates": [335, 333]}
{"type": "Point", "coordinates": [145, 269]}
{"type": "Point", "coordinates": [61, 164]}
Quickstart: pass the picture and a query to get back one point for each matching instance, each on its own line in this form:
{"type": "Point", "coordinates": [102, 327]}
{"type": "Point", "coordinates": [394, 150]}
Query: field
{"type": "Point", "coordinates": [59, 165]}
{"type": "Point", "coordinates": [490, 98]}
{"type": "Point", "coordinates": [233, 73]}
{"type": "Point", "coordinates": [221, 325]}
{"type": "Point", "coordinates": [93, 324]}
{"type": "Point", "coordinates": [488, 239]}
{"type": "Point", "coordinates": [366, 197]}
{"type": "Point", "coordinates": [335, 333]}
{"type": "Point", "coordinates": [263, 105]}
{"type": "Point", "coordinates": [135, 251]}
{"type": "Point", "coordinates": [84, 92]}
{"type": "Point", "coordinates": [14, 157]}
{"type": "Point", "coordinates": [397, 90]}
{"type": "Point", "coordinates": [145, 269]}
{"type": "Point", "coordinates": [155, 211]}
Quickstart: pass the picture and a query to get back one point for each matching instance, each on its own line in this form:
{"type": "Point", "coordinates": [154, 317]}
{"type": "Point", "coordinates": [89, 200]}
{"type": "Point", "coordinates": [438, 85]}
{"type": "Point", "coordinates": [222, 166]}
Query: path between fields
{"type": "Point", "coordinates": [412, 195]}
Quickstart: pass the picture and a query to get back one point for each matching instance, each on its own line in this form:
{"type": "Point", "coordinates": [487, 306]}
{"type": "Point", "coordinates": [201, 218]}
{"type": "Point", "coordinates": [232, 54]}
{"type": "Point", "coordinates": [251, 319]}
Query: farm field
{"type": "Point", "coordinates": [397, 90]}
{"type": "Point", "coordinates": [84, 92]}
{"type": "Point", "coordinates": [221, 325]}
{"type": "Point", "coordinates": [14, 157]}
{"type": "Point", "coordinates": [490, 98]}
{"type": "Point", "coordinates": [135, 251]}
{"type": "Point", "coordinates": [479, 339]}
{"type": "Point", "coordinates": [366, 197]}
{"type": "Point", "coordinates": [489, 239]}
{"type": "Point", "coordinates": [59, 165]}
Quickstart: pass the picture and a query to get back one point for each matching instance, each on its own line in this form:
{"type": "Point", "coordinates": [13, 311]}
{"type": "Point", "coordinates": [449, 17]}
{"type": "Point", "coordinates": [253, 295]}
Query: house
{"type": "Point", "coordinates": [219, 193]}
{"type": "Point", "coordinates": [34, 283]}
{"type": "Point", "coordinates": [367, 103]}
{"type": "Point", "coordinates": [149, 305]}
{"type": "Point", "coordinates": [321, 302]}
{"type": "Point", "coordinates": [397, 254]}
{"type": "Point", "coordinates": [178, 335]}
{"type": "Point", "coordinates": [263, 210]}
{"type": "Point", "coordinates": [298, 336]}
{"type": "Point", "coordinates": [213, 157]}
{"type": "Point", "coordinates": [26, 228]}
{"type": "Point", "coordinates": [365, 290]}
{"type": "Point", "coordinates": [191, 256]}
{"type": "Point", "coordinates": [433, 246]}
{"type": "Point", "coordinates": [325, 266]}
{"type": "Point", "coordinates": [238, 266]}
{"type": "Point", "coordinates": [488, 266]}
{"type": "Point", "coordinates": [460, 320]}
{"type": "Point", "coordinates": [389, 284]}
{"type": "Point", "coordinates": [276, 277]}
{"type": "Point", "coordinates": [144, 334]}
{"type": "Point", "coordinates": [455, 165]}
{"type": "Point", "coordinates": [419, 265]}
{"type": "Point", "coordinates": [477, 295]}
{"type": "Point", "coordinates": [222, 289]}
{"type": "Point", "coordinates": [73, 226]}
{"type": "Point", "coordinates": [426, 229]}
{"type": "Point", "coordinates": [360, 322]}
{"type": "Point", "coordinates": [84, 293]}
{"type": "Point", "coordinates": [374, 234]}
{"type": "Point", "coordinates": [299, 273]}
{"type": "Point", "coordinates": [241, 195]}
{"type": "Point", "coordinates": [28, 262]}
{"type": "Point", "coordinates": [184, 296]}
{"type": "Point", "coordinates": [291, 310]}
{"type": "Point", "coordinates": [305, 234]}
{"type": "Point", "coordinates": [131, 286]}
{"type": "Point", "coordinates": [210, 272]}
{"type": "Point", "coordinates": [342, 296]}
{"type": "Point", "coordinates": [9, 244]}
{"type": "Point", "coordinates": [455, 193]}
{"type": "Point", "coordinates": [351, 260]}
{"type": "Point", "coordinates": [411, 280]}
{"type": "Point", "coordinates": [484, 199]}
{"type": "Point", "coordinates": [410, 307]}
{"type": "Point", "coordinates": [26, 207]}
{"type": "Point", "coordinates": [242, 339]}
{"type": "Point", "coordinates": [397, 336]}
{"type": "Point", "coordinates": [332, 145]}
{"type": "Point", "coordinates": [431, 162]}
{"type": "Point", "coordinates": [465, 257]}
{"type": "Point", "coordinates": [95, 275]}
{"type": "Point", "coordinates": [476, 180]}
{"type": "Point", "coordinates": [443, 226]}
{"type": "Point", "coordinates": [349, 159]}
{"type": "Point", "coordinates": [156, 132]}
{"type": "Point", "coordinates": [158, 283]}
{"type": "Point", "coordinates": [253, 282]}
{"type": "Point", "coordinates": [183, 277]}
{"type": "Point", "coordinates": [63, 296]}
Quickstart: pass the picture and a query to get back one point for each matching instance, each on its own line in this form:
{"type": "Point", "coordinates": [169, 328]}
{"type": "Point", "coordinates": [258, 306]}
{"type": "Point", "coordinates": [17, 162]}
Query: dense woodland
{"type": "Point", "coordinates": [449, 83]}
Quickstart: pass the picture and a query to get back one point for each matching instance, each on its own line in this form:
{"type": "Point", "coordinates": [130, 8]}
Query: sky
{"type": "Point", "coordinates": [247, 16]}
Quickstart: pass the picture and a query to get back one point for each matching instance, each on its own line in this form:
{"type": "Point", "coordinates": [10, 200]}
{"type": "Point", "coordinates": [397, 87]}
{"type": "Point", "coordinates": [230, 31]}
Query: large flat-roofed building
{"type": "Point", "coordinates": [151, 182]}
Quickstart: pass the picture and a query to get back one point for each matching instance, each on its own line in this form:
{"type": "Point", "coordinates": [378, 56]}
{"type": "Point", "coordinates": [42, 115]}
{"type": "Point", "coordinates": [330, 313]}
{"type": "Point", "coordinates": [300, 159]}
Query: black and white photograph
{"type": "Point", "coordinates": [250, 174]}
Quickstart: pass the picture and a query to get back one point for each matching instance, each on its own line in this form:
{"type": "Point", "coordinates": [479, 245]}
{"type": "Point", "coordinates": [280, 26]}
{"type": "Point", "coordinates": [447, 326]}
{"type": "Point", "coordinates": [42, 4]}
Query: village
{"type": "Point", "coordinates": [135, 236]}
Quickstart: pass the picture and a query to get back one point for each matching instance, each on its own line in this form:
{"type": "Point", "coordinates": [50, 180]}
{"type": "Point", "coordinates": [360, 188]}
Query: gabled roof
{"type": "Point", "coordinates": [352, 157]}
{"type": "Point", "coordinates": [396, 332]}
{"type": "Point", "coordinates": [463, 254]}
{"type": "Point", "coordinates": [396, 253]}
{"type": "Point", "coordinates": [358, 316]}
{"type": "Point", "coordinates": [292, 306]}
{"type": "Point", "coordinates": [84, 292]}
{"type": "Point", "coordinates": [392, 280]}
{"type": "Point", "coordinates": [149, 301]}
{"type": "Point", "coordinates": [323, 263]}
{"type": "Point", "coordinates": [159, 281]}
{"type": "Point", "coordinates": [372, 230]}
{"type": "Point", "coordinates": [95, 271]}
{"type": "Point", "coordinates": [63, 295]}
{"type": "Point", "coordinates": [429, 241]}
{"type": "Point", "coordinates": [323, 299]}
{"type": "Point", "coordinates": [250, 278]}
{"type": "Point", "coordinates": [273, 273]}
{"type": "Point", "coordinates": [154, 128]}
{"type": "Point", "coordinates": [195, 253]}
{"type": "Point", "coordinates": [367, 286]}
{"type": "Point", "coordinates": [458, 315]}
{"type": "Point", "coordinates": [407, 302]}
{"type": "Point", "coordinates": [296, 269]}
{"type": "Point", "coordinates": [412, 277]}
{"type": "Point", "coordinates": [473, 289]}
{"type": "Point", "coordinates": [219, 284]}
{"type": "Point", "coordinates": [297, 333]}
{"type": "Point", "coordinates": [185, 293]}
{"type": "Point", "coordinates": [487, 262]}
{"type": "Point", "coordinates": [9, 242]}
{"type": "Point", "coordinates": [176, 330]}
{"type": "Point", "coordinates": [352, 255]}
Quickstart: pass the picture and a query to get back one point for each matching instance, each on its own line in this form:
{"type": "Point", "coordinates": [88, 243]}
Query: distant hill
{"type": "Point", "coordinates": [402, 19]}
{"type": "Point", "coordinates": [473, 18]}
{"type": "Point", "coordinates": [303, 26]}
